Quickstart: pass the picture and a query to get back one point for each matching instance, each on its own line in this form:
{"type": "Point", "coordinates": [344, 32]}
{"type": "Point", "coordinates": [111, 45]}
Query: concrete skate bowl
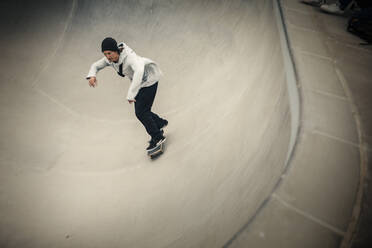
{"type": "Point", "coordinates": [74, 172]}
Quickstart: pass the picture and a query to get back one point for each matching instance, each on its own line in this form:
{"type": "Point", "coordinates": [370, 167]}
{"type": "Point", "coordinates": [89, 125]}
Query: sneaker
{"type": "Point", "coordinates": [333, 8]}
{"type": "Point", "coordinates": [313, 2]}
{"type": "Point", "coordinates": [165, 123]}
{"type": "Point", "coordinates": [155, 143]}
{"type": "Point", "coordinates": [161, 132]}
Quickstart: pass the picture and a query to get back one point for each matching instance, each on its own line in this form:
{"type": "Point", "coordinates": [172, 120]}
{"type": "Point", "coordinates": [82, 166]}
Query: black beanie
{"type": "Point", "coordinates": [109, 44]}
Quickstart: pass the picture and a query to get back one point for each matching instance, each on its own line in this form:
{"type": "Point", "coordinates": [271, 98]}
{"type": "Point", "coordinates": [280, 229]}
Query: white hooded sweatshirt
{"type": "Point", "coordinates": [143, 72]}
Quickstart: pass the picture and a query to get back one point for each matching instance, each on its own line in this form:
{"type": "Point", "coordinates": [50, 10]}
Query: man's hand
{"type": "Point", "coordinates": [130, 101]}
{"type": "Point", "coordinates": [92, 82]}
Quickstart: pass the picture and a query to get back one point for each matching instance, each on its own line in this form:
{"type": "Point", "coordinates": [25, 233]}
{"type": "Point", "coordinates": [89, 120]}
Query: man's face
{"type": "Point", "coordinates": [112, 56]}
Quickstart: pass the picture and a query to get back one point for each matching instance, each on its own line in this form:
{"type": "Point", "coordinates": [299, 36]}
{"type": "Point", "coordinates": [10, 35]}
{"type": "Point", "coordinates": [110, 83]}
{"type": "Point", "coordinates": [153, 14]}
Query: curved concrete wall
{"type": "Point", "coordinates": [73, 166]}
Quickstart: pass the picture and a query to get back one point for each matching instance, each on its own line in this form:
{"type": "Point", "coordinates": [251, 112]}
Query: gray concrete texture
{"type": "Point", "coordinates": [73, 166]}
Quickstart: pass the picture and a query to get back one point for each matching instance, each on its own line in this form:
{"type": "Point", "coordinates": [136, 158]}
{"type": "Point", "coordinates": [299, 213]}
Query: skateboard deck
{"type": "Point", "coordinates": [157, 151]}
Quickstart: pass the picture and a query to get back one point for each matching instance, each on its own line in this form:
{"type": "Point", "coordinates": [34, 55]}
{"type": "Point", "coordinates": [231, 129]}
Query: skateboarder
{"type": "Point", "coordinates": [144, 75]}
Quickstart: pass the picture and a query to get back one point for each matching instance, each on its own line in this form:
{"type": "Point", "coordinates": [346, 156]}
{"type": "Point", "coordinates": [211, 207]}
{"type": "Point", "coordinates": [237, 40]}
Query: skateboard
{"type": "Point", "coordinates": [157, 151]}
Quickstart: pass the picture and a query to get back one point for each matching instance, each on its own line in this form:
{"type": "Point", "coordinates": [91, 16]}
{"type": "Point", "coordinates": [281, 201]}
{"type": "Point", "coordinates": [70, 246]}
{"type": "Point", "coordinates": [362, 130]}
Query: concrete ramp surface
{"type": "Point", "coordinates": [73, 168]}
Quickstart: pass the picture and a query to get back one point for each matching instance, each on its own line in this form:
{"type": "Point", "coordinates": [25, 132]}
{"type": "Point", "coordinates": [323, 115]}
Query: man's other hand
{"type": "Point", "coordinates": [92, 82]}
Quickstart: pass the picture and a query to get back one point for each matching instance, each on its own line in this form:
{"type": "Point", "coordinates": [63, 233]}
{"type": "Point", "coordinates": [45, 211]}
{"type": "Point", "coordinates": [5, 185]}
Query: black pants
{"type": "Point", "coordinates": [142, 106]}
{"type": "Point", "coordinates": [344, 3]}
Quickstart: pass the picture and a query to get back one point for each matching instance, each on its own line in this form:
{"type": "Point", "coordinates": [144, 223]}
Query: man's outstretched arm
{"type": "Point", "coordinates": [94, 68]}
{"type": "Point", "coordinates": [138, 67]}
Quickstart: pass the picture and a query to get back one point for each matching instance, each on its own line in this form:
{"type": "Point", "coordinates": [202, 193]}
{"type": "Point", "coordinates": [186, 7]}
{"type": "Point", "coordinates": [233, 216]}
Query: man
{"type": "Point", "coordinates": [144, 74]}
